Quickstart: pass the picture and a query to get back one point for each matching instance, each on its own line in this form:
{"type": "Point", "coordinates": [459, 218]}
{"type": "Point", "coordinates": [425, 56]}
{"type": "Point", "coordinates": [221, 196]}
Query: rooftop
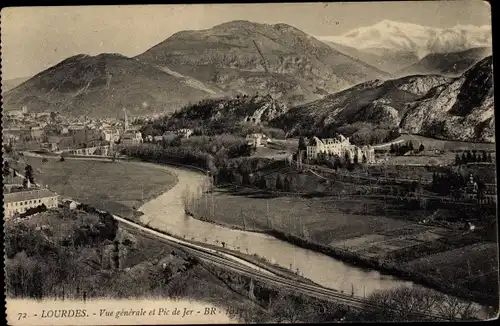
{"type": "Point", "coordinates": [28, 195]}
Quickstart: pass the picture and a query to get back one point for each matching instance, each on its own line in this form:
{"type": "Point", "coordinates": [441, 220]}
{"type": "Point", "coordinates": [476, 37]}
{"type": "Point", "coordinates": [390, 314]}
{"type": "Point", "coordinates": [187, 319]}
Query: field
{"type": "Point", "coordinates": [118, 187]}
{"type": "Point", "coordinates": [475, 266]}
{"type": "Point", "coordinates": [323, 219]}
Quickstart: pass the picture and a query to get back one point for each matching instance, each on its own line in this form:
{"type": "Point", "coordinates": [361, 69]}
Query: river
{"type": "Point", "coordinates": [166, 212]}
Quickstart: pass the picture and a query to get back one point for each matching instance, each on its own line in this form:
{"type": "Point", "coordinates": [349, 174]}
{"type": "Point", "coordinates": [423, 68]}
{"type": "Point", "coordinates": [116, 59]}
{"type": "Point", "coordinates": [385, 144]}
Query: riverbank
{"type": "Point", "coordinates": [361, 261]}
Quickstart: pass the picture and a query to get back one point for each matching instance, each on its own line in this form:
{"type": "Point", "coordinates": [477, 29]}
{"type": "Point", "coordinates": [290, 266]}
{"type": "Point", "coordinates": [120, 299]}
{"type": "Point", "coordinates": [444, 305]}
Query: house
{"type": "Point", "coordinates": [15, 114]}
{"type": "Point", "coordinates": [36, 132]}
{"type": "Point", "coordinates": [340, 146]}
{"type": "Point", "coordinates": [185, 132]}
{"type": "Point", "coordinates": [131, 137]}
{"type": "Point", "coordinates": [69, 204]}
{"type": "Point", "coordinates": [110, 134]}
{"type": "Point", "coordinates": [257, 140]}
{"type": "Point", "coordinates": [21, 201]}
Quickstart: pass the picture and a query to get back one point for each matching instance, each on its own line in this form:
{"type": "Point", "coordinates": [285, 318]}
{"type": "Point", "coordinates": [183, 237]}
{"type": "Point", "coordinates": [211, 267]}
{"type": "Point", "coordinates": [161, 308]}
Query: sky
{"type": "Point", "coordinates": [36, 38]}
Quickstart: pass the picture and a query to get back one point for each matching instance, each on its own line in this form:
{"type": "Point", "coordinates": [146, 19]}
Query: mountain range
{"type": "Point", "coordinates": [392, 46]}
{"type": "Point", "coordinates": [230, 58]}
{"type": "Point", "coordinates": [326, 86]}
{"type": "Point", "coordinates": [458, 108]}
{"type": "Point", "coordinates": [448, 64]}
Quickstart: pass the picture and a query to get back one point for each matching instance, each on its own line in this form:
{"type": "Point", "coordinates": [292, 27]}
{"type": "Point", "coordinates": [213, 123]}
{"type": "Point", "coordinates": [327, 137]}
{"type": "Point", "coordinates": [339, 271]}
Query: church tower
{"type": "Point", "coordinates": [125, 126]}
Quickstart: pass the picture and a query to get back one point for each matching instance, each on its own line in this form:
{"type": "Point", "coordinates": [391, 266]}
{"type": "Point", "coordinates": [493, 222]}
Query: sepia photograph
{"type": "Point", "coordinates": [249, 163]}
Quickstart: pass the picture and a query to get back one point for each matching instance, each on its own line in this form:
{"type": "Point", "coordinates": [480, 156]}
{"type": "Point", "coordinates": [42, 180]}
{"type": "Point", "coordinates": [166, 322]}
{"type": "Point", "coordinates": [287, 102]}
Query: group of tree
{"type": "Point", "coordinates": [375, 136]}
{"type": "Point", "coordinates": [451, 183]}
{"type": "Point", "coordinates": [178, 155]}
{"type": "Point", "coordinates": [401, 149]}
{"type": "Point", "coordinates": [412, 304]}
{"type": "Point", "coordinates": [472, 157]}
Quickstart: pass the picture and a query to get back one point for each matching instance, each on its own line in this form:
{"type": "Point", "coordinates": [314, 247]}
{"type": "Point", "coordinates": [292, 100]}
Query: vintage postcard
{"type": "Point", "coordinates": [244, 163]}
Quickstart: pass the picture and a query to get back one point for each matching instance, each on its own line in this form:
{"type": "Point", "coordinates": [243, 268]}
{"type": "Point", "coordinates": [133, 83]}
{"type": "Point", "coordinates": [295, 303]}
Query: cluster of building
{"type": "Point", "coordinates": [340, 146]}
{"type": "Point", "coordinates": [27, 131]}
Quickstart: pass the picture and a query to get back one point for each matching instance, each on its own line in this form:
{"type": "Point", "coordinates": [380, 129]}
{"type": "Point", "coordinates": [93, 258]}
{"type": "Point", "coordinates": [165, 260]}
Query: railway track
{"type": "Point", "coordinates": [258, 273]}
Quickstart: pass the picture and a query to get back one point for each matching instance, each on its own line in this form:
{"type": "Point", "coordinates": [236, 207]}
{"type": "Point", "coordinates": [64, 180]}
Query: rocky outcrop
{"type": "Point", "coordinates": [462, 110]}
{"type": "Point", "coordinates": [244, 108]}
{"type": "Point", "coordinates": [444, 107]}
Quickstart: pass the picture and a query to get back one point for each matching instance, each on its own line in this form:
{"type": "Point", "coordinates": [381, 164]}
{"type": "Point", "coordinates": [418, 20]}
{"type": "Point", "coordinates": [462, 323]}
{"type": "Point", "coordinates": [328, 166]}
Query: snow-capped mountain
{"type": "Point", "coordinates": [420, 40]}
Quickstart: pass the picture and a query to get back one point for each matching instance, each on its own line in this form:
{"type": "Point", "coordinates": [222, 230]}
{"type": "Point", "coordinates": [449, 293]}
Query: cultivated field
{"type": "Point", "coordinates": [475, 266]}
{"type": "Point", "coordinates": [117, 187]}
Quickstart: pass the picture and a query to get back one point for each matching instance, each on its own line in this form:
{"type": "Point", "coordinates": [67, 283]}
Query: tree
{"type": "Point", "coordinates": [469, 157]}
{"type": "Point", "coordinates": [6, 170]}
{"type": "Point", "coordinates": [474, 157]}
{"type": "Point", "coordinates": [279, 182]}
{"type": "Point", "coordinates": [421, 148]}
{"type": "Point", "coordinates": [484, 157]}
{"type": "Point", "coordinates": [464, 158]}
{"type": "Point", "coordinates": [458, 160]}
{"type": "Point", "coordinates": [28, 173]}
{"type": "Point", "coordinates": [302, 144]}
{"type": "Point", "coordinates": [287, 186]}
{"type": "Point", "coordinates": [262, 182]}
{"type": "Point", "coordinates": [410, 145]}
{"type": "Point", "coordinates": [347, 157]}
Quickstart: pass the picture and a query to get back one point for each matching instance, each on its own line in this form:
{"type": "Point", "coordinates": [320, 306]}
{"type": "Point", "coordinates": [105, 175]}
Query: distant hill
{"type": "Point", "coordinates": [443, 107]}
{"type": "Point", "coordinates": [104, 84]}
{"type": "Point", "coordinates": [389, 61]}
{"type": "Point", "coordinates": [449, 64]}
{"type": "Point", "coordinates": [279, 59]}
{"type": "Point", "coordinates": [8, 84]}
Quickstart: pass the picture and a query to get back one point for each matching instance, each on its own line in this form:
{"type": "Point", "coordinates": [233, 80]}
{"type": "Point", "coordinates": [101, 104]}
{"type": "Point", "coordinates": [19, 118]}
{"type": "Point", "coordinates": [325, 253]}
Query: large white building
{"type": "Point", "coordinates": [339, 146]}
{"type": "Point", "coordinates": [21, 201]}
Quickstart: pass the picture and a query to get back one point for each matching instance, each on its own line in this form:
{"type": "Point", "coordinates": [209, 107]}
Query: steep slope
{"type": "Point", "coordinates": [376, 102]}
{"type": "Point", "coordinates": [444, 107]}
{"type": "Point", "coordinates": [462, 109]}
{"type": "Point", "coordinates": [102, 85]}
{"type": "Point", "coordinates": [449, 64]}
{"type": "Point", "coordinates": [250, 57]}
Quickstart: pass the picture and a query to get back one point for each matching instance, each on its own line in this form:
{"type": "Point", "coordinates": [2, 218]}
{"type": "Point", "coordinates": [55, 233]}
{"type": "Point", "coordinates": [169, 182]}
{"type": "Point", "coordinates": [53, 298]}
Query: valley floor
{"type": "Point", "coordinates": [370, 231]}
